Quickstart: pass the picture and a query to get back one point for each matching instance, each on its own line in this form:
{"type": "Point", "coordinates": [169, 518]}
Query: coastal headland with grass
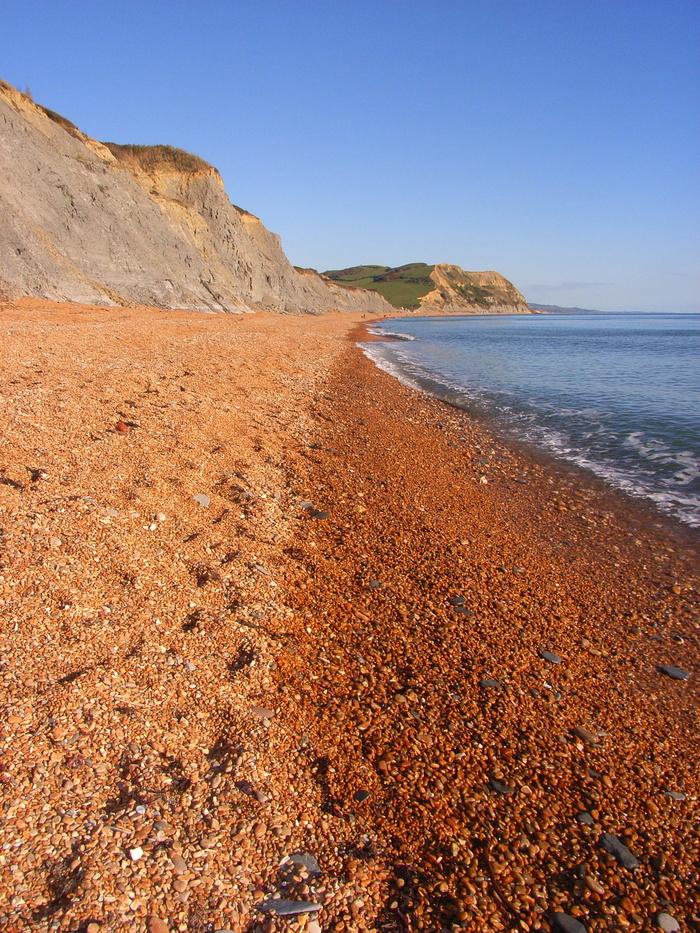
{"type": "Point", "coordinates": [281, 634]}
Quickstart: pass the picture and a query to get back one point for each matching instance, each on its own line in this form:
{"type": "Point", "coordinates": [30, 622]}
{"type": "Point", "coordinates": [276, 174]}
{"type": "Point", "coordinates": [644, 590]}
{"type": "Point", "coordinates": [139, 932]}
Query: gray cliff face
{"type": "Point", "coordinates": [77, 225]}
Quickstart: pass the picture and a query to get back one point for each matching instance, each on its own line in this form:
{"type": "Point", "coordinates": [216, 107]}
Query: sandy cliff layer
{"type": "Point", "coordinates": [81, 224]}
{"type": "Point", "coordinates": [460, 292]}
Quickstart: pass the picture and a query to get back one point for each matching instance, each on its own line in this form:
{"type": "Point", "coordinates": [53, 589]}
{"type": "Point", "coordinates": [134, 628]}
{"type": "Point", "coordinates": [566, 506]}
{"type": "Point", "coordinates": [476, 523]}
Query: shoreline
{"type": "Point", "coordinates": [191, 694]}
{"type": "Point", "coordinates": [675, 526]}
{"type": "Point", "coordinates": [616, 607]}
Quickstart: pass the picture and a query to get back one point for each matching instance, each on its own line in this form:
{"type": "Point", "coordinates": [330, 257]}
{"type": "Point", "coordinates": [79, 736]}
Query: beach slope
{"type": "Point", "coordinates": [277, 628]}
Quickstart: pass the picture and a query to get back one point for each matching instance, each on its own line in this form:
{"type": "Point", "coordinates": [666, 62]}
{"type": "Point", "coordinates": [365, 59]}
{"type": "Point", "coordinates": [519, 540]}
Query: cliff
{"type": "Point", "coordinates": [130, 225]}
{"type": "Point", "coordinates": [439, 289]}
{"type": "Point", "coordinates": [460, 292]}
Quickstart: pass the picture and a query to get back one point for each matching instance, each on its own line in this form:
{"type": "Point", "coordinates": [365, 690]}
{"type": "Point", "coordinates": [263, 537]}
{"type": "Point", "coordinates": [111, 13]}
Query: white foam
{"type": "Point", "coordinates": [394, 334]}
{"type": "Point", "coordinates": [666, 488]}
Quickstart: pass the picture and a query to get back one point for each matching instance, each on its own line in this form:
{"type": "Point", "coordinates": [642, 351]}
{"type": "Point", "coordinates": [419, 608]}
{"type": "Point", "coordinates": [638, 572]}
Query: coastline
{"type": "Point", "coordinates": [542, 559]}
{"type": "Point", "coordinates": [308, 687]}
{"type": "Point", "coordinates": [680, 516]}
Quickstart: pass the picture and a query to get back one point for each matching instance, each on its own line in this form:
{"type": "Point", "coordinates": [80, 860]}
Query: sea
{"type": "Point", "coordinates": [614, 393]}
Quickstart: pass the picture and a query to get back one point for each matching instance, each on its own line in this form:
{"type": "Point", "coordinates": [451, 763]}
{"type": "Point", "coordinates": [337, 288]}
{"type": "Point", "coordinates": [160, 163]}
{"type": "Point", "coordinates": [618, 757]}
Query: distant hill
{"type": "Point", "coordinates": [402, 287]}
{"type": "Point", "coordinates": [438, 289]}
{"type": "Point", "coordinates": [555, 309]}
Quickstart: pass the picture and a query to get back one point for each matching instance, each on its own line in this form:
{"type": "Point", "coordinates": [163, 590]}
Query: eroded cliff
{"type": "Point", "coordinates": [460, 292]}
{"type": "Point", "coordinates": [104, 224]}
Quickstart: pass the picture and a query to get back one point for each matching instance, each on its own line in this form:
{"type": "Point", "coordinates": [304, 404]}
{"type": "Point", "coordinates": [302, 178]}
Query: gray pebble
{"type": "Point", "coordinates": [361, 795]}
{"type": "Point", "coordinates": [317, 513]}
{"type": "Point", "coordinates": [675, 795]}
{"type": "Point", "coordinates": [285, 908]}
{"type": "Point", "coordinates": [306, 505]}
{"type": "Point", "coordinates": [585, 817]}
{"type": "Point", "coordinates": [675, 673]}
{"type": "Point", "coordinates": [549, 656]}
{"type": "Point", "coordinates": [616, 847]}
{"type": "Point", "coordinates": [463, 610]}
{"type": "Point", "coordinates": [487, 683]}
{"type": "Point", "coordinates": [568, 924]}
{"type": "Point", "coordinates": [667, 923]}
{"type": "Point", "coordinates": [202, 499]}
{"type": "Point", "coordinates": [305, 860]}
{"type": "Point", "coordinates": [500, 788]}
{"type": "Point", "coordinates": [457, 601]}
{"type": "Point", "coordinates": [375, 583]}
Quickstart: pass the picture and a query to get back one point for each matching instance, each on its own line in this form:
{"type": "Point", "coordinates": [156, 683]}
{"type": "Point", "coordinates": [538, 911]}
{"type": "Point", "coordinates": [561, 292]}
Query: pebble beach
{"type": "Point", "coordinates": [287, 646]}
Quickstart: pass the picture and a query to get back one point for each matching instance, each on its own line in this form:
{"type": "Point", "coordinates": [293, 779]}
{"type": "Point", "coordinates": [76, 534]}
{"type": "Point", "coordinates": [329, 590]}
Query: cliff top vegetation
{"type": "Point", "coordinates": [154, 158]}
{"type": "Point", "coordinates": [402, 286]}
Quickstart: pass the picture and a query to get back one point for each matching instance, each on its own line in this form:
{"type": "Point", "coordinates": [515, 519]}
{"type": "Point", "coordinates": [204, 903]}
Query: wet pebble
{"type": "Point", "coordinates": [361, 795]}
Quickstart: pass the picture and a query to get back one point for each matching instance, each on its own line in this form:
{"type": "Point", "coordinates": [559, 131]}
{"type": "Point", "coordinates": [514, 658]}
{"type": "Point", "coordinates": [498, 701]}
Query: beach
{"type": "Point", "coordinates": [276, 628]}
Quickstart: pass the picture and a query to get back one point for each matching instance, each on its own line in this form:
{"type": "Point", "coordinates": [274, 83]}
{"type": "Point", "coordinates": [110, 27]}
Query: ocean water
{"type": "Point", "coordinates": [617, 394]}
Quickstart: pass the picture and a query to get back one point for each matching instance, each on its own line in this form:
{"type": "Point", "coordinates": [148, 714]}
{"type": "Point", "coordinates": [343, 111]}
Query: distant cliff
{"type": "Point", "coordinates": [106, 224]}
{"type": "Point", "coordinates": [439, 289]}
{"type": "Point", "coordinates": [460, 292]}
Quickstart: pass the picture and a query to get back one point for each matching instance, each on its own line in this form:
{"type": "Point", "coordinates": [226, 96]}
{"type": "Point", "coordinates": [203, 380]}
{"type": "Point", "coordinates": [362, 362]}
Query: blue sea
{"type": "Point", "coordinates": [616, 394]}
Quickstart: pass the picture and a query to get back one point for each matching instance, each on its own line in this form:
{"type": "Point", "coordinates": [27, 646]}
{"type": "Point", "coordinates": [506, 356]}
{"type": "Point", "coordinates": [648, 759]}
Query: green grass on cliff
{"type": "Point", "coordinates": [475, 294]}
{"type": "Point", "coordinates": [152, 158]}
{"type": "Point", "coordinates": [402, 287]}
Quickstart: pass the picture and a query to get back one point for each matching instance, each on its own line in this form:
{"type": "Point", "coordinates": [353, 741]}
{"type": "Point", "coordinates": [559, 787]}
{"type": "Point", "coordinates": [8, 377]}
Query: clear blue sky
{"type": "Point", "coordinates": [556, 141]}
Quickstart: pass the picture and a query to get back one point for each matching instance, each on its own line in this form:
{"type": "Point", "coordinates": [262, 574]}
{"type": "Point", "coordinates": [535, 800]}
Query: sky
{"type": "Point", "coordinates": [555, 141]}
